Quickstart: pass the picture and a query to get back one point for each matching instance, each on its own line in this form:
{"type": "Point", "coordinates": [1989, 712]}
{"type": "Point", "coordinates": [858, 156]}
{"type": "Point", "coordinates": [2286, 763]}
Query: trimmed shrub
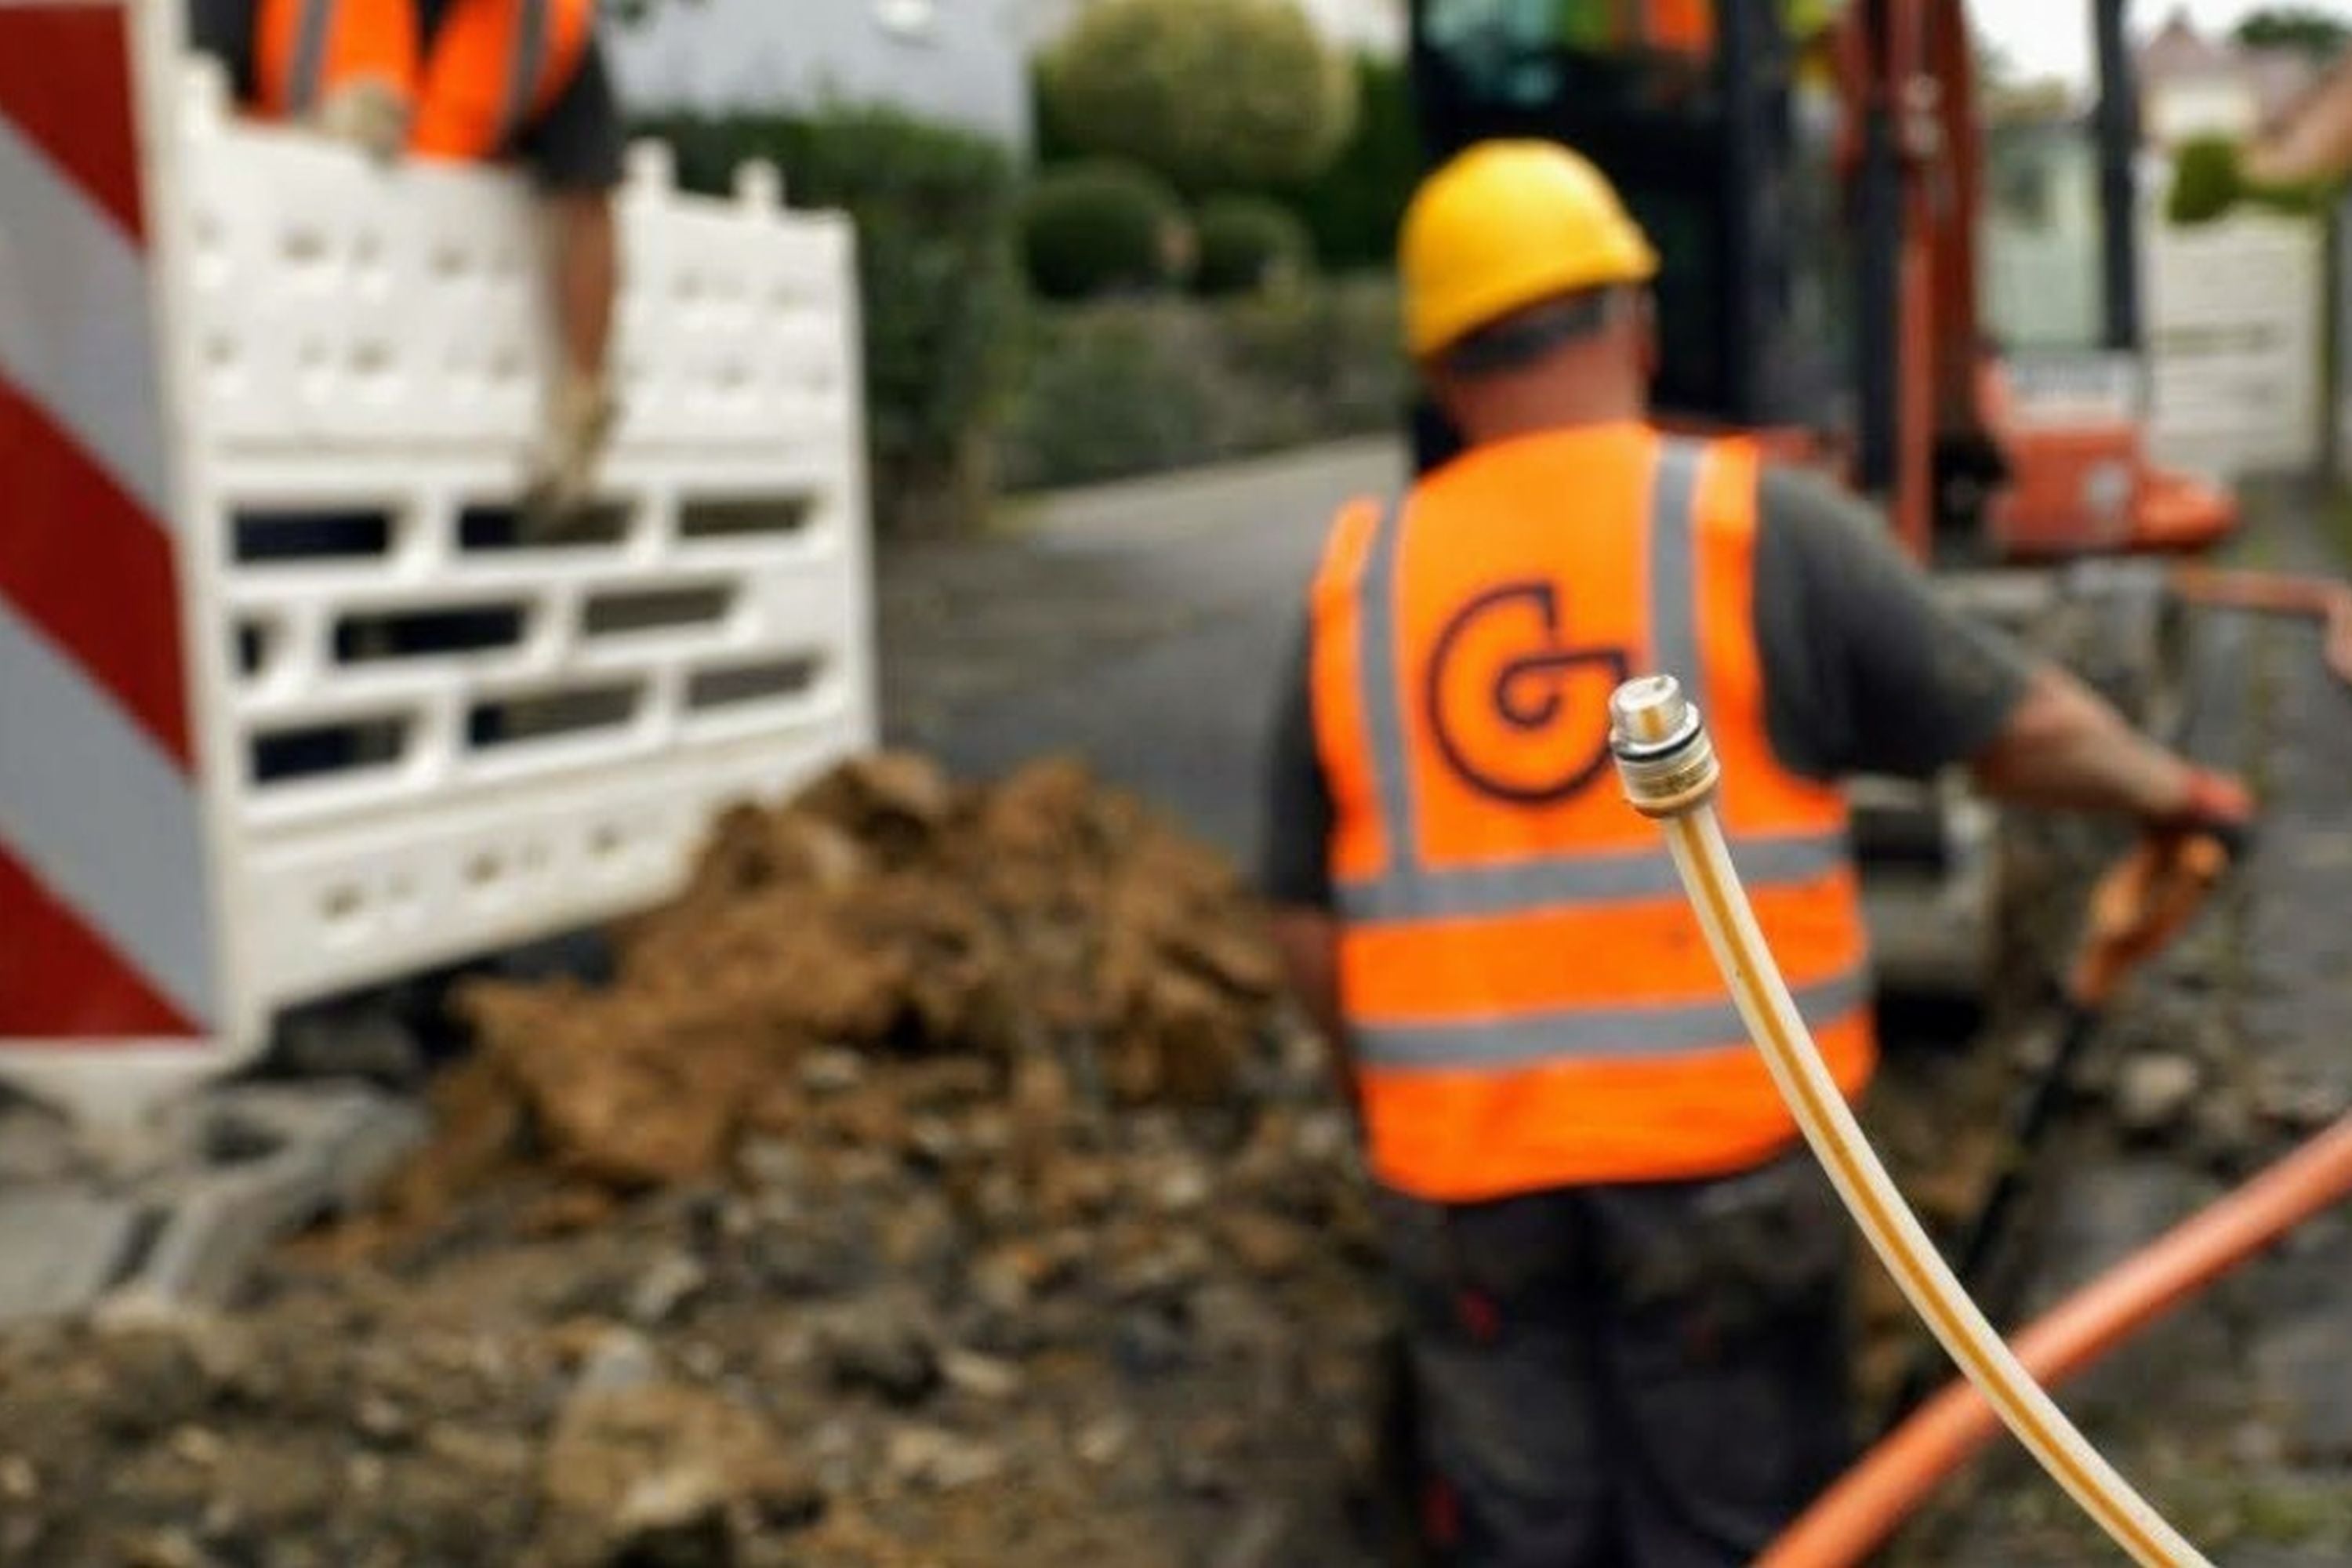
{"type": "Point", "coordinates": [1353, 209]}
{"type": "Point", "coordinates": [2209, 184]}
{"type": "Point", "coordinates": [1213, 94]}
{"type": "Point", "coordinates": [2205, 184]}
{"type": "Point", "coordinates": [1250, 245]}
{"type": "Point", "coordinates": [935, 212]}
{"type": "Point", "coordinates": [1102, 227]}
{"type": "Point", "coordinates": [1132, 386]}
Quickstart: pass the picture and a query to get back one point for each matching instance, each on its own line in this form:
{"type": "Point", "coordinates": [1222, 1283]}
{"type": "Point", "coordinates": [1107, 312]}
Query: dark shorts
{"type": "Point", "coordinates": [1646, 1376]}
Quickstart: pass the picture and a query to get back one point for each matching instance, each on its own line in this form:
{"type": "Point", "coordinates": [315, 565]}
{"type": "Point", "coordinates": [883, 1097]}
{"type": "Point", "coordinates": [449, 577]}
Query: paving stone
{"type": "Point", "coordinates": [59, 1249]}
{"type": "Point", "coordinates": [2302, 1365]}
{"type": "Point", "coordinates": [310, 1153]}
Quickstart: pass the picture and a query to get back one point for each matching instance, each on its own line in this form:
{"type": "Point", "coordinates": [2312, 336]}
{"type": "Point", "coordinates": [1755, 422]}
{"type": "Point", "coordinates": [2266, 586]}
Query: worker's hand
{"type": "Point", "coordinates": [368, 114]}
{"type": "Point", "coordinates": [579, 417]}
{"type": "Point", "coordinates": [2211, 805]}
{"type": "Point", "coordinates": [2141, 905]}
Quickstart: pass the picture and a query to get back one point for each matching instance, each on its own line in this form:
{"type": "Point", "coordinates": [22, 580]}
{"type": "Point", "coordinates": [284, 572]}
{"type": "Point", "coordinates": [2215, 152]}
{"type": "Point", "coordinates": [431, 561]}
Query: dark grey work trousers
{"type": "Point", "coordinates": [1649, 1376]}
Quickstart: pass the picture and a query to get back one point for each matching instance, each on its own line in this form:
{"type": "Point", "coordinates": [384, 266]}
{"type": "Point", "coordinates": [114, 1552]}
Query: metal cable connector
{"type": "Point", "coordinates": [1664, 756]}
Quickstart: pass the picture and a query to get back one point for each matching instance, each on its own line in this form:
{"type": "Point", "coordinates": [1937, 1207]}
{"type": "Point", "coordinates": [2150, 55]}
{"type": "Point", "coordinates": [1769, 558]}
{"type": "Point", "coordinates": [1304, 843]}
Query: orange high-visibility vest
{"type": "Point", "coordinates": [1529, 1001]}
{"type": "Point", "coordinates": [492, 67]}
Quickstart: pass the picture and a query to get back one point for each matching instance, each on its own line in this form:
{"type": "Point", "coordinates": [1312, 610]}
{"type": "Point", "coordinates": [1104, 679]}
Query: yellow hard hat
{"type": "Point", "coordinates": [1506, 225]}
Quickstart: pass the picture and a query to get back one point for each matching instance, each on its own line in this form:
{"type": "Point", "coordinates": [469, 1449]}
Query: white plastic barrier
{"type": "Point", "coordinates": [421, 739]}
{"type": "Point", "coordinates": [2235, 315]}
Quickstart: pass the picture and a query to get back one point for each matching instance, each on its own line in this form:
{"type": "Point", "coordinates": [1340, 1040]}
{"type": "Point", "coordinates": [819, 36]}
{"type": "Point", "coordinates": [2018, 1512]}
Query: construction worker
{"type": "Point", "coordinates": [1624, 1280]}
{"type": "Point", "coordinates": [471, 81]}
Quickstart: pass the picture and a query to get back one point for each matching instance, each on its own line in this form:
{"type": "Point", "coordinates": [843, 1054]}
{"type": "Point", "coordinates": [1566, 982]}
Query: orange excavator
{"type": "Point", "coordinates": [1813, 174]}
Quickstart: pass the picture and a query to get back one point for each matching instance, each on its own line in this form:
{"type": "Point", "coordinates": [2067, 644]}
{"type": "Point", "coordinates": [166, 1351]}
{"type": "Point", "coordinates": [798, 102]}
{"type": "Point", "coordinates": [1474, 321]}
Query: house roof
{"type": "Point", "coordinates": [2179, 52]}
{"type": "Point", "coordinates": [2179, 55]}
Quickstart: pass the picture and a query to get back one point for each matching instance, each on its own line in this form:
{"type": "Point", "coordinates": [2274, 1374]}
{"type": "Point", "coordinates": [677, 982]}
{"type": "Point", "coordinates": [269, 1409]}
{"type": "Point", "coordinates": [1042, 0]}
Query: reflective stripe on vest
{"type": "Point", "coordinates": [308, 67]}
{"type": "Point", "coordinates": [1629, 1033]}
{"type": "Point", "coordinates": [1526, 991]}
{"type": "Point", "coordinates": [494, 64]}
{"type": "Point", "coordinates": [302, 48]}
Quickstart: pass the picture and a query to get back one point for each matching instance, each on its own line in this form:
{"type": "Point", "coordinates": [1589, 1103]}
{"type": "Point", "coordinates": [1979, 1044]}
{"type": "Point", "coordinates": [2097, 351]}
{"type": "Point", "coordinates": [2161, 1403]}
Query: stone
{"type": "Point", "coordinates": [285, 1157]}
{"type": "Point", "coordinates": [772, 1164]}
{"type": "Point", "coordinates": [1101, 1442]}
{"type": "Point", "coordinates": [941, 1460]}
{"type": "Point", "coordinates": [920, 1238]}
{"type": "Point", "coordinates": [655, 1474]}
{"type": "Point", "coordinates": [167, 1549]}
{"type": "Point", "coordinates": [2153, 1092]}
{"type": "Point", "coordinates": [382, 1421]}
{"type": "Point", "coordinates": [2298, 1105]}
{"type": "Point", "coordinates": [1267, 1245]}
{"type": "Point", "coordinates": [1148, 1343]}
{"type": "Point", "coordinates": [982, 1377]}
{"type": "Point", "coordinates": [38, 1146]}
{"type": "Point", "coordinates": [884, 1352]}
{"type": "Point", "coordinates": [831, 1070]}
{"type": "Point", "coordinates": [614, 1360]}
{"type": "Point", "coordinates": [64, 1247]}
{"type": "Point", "coordinates": [2257, 1444]}
{"type": "Point", "coordinates": [1166, 1266]}
{"type": "Point", "coordinates": [1323, 1137]}
{"type": "Point", "coordinates": [2301, 1362]}
{"type": "Point", "coordinates": [677, 1519]}
{"type": "Point", "coordinates": [1182, 1187]}
{"type": "Point", "coordinates": [674, 1280]}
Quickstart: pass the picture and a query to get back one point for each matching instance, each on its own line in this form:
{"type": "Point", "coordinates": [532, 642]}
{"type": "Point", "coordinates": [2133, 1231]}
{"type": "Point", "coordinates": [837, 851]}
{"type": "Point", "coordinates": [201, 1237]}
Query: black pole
{"type": "Point", "coordinates": [1878, 276]}
{"type": "Point", "coordinates": [1740, 73]}
{"type": "Point", "coordinates": [2118, 136]}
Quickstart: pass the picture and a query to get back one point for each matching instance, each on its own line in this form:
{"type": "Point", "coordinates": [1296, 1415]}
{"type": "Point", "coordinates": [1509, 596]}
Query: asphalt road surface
{"type": "Point", "coordinates": [1141, 626]}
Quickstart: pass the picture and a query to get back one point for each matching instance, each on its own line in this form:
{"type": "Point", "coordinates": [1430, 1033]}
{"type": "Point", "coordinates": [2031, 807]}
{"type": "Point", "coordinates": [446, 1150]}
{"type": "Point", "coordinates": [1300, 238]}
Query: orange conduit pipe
{"type": "Point", "coordinates": [1854, 1517]}
{"type": "Point", "coordinates": [2324, 599]}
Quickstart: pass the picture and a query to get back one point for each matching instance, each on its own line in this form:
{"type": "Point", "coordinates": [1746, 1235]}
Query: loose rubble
{"type": "Point", "coordinates": [937, 1184]}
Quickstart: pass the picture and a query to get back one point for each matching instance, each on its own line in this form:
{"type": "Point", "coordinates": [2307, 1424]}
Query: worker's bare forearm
{"type": "Point", "coordinates": [587, 269]}
{"type": "Point", "coordinates": [1308, 941]}
{"type": "Point", "coordinates": [2065, 748]}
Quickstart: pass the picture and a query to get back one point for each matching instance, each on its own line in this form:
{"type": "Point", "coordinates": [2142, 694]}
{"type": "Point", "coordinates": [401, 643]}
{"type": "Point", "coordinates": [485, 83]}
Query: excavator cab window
{"type": "Point", "coordinates": [1686, 104]}
{"type": "Point", "coordinates": [2042, 287]}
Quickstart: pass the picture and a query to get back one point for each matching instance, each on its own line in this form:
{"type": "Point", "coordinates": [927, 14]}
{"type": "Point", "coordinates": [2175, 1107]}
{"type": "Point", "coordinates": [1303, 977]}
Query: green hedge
{"type": "Point", "coordinates": [1133, 386]}
{"type": "Point", "coordinates": [1211, 94]}
{"type": "Point", "coordinates": [1353, 209]}
{"type": "Point", "coordinates": [935, 210]}
{"type": "Point", "coordinates": [1250, 245]}
{"type": "Point", "coordinates": [1103, 226]}
{"type": "Point", "coordinates": [2208, 184]}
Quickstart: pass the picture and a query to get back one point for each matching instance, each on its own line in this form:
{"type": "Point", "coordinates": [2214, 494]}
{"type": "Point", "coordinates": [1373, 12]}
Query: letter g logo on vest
{"type": "Point", "coordinates": [1517, 713]}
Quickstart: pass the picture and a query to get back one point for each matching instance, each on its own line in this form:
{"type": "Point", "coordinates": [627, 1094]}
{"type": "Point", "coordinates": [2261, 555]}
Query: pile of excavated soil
{"type": "Point", "coordinates": [1041, 925]}
{"type": "Point", "coordinates": [933, 1186]}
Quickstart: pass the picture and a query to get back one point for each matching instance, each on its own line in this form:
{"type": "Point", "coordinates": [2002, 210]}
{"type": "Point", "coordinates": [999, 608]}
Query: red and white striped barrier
{"type": "Point", "coordinates": [107, 936]}
{"type": "Point", "coordinates": [288, 706]}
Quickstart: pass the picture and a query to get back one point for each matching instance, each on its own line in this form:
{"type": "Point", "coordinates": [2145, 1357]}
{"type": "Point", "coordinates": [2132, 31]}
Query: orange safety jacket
{"type": "Point", "coordinates": [491, 67]}
{"type": "Point", "coordinates": [1529, 1001]}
